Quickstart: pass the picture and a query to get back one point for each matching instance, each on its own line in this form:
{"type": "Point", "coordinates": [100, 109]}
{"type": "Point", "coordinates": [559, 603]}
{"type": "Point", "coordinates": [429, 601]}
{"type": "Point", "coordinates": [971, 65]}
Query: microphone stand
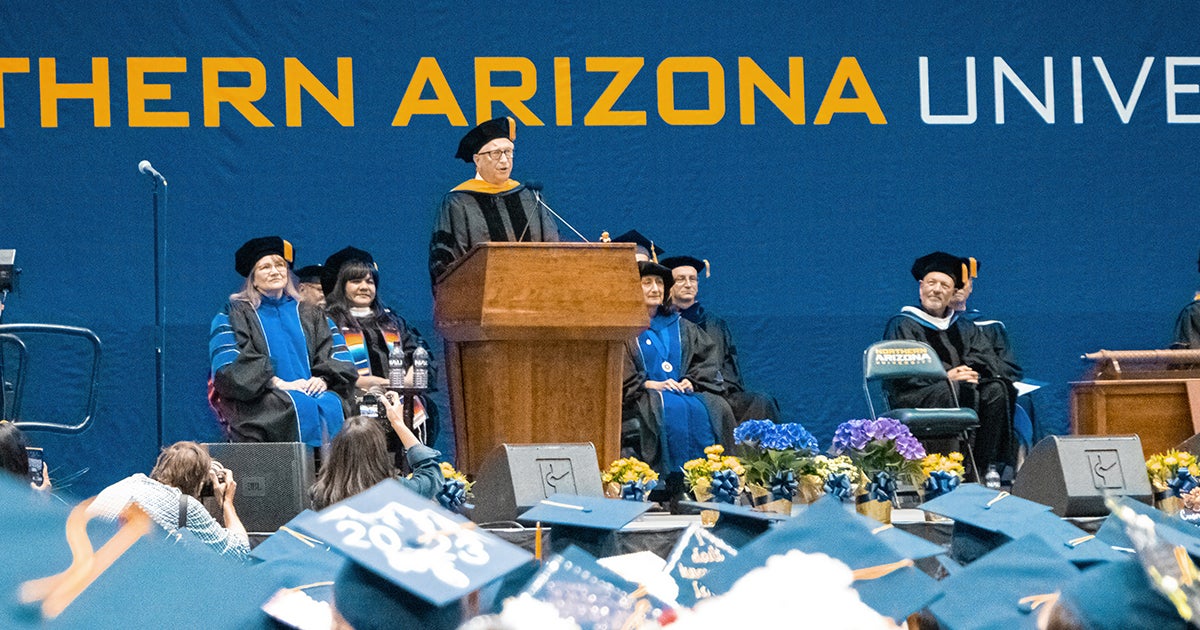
{"type": "Point", "coordinates": [537, 195]}
{"type": "Point", "coordinates": [159, 198]}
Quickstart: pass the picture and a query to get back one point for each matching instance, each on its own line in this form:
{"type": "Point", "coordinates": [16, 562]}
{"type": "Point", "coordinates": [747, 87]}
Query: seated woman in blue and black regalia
{"type": "Point", "coordinates": [349, 279]}
{"type": "Point", "coordinates": [671, 407]}
{"type": "Point", "coordinates": [276, 373]}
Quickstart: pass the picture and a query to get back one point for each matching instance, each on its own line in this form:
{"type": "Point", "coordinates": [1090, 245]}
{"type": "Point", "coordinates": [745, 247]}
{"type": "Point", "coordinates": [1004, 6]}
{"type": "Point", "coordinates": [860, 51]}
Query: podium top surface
{"type": "Point", "coordinates": [541, 291]}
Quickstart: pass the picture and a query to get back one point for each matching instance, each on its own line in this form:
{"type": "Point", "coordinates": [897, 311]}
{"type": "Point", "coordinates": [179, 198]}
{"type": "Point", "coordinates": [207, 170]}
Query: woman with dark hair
{"type": "Point", "coordinates": [14, 458]}
{"type": "Point", "coordinates": [171, 496]}
{"type": "Point", "coordinates": [672, 408]}
{"type": "Point", "coordinates": [350, 280]}
{"type": "Point", "coordinates": [358, 459]}
{"type": "Point", "coordinates": [276, 373]}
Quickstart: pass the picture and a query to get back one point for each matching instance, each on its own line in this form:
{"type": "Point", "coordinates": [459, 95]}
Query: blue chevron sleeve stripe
{"type": "Point", "coordinates": [222, 345]}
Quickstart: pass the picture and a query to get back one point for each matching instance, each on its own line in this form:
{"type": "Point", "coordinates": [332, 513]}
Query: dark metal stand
{"type": "Point", "coordinates": [160, 308]}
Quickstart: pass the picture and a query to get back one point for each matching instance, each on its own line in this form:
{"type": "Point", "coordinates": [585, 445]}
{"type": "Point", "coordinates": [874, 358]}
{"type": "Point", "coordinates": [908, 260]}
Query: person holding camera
{"type": "Point", "coordinates": [171, 497]}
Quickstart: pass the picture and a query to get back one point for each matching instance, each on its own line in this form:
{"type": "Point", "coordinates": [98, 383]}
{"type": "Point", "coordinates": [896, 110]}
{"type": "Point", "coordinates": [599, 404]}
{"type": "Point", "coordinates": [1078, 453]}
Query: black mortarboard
{"type": "Point", "coordinates": [686, 261]}
{"type": "Point", "coordinates": [647, 268]}
{"type": "Point", "coordinates": [948, 264]}
{"type": "Point", "coordinates": [309, 275]}
{"type": "Point", "coordinates": [1004, 588]}
{"type": "Point", "coordinates": [588, 522]}
{"type": "Point", "coordinates": [333, 265]}
{"type": "Point", "coordinates": [646, 246]}
{"type": "Point", "coordinates": [408, 557]}
{"type": "Point", "coordinates": [254, 249]}
{"type": "Point", "coordinates": [503, 127]}
{"type": "Point", "coordinates": [985, 519]}
{"type": "Point", "coordinates": [888, 582]}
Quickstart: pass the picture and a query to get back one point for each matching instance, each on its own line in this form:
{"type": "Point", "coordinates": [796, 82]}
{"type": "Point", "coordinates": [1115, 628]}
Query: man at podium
{"type": "Point", "coordinates": [490, 206]}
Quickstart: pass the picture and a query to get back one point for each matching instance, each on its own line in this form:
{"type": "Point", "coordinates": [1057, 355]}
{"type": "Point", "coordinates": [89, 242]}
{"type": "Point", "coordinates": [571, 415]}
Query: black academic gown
{"type": "Point", "coordinates": [253, 410]}
{"type": "Point", "coordinates": [478, 212]}
{"type": "Point", "coordinates": [641, 415]}
{"type": "Point", "coordinates": [746, 405]}
{"type": "Point", "coordinates": [962, 343]}
{"type": "Point", "coordinates": [1187, 327]}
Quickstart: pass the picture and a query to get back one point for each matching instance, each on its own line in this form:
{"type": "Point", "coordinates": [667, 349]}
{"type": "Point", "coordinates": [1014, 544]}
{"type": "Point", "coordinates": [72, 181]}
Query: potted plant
{"type": "Point", "coordinates": [887, 452]}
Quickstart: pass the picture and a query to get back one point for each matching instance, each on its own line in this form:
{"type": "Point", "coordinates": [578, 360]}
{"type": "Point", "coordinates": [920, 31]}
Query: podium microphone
{"type": "Point", "coordinates": [536, 187]}
{"type": "Point", "coordinates": [145, 169]}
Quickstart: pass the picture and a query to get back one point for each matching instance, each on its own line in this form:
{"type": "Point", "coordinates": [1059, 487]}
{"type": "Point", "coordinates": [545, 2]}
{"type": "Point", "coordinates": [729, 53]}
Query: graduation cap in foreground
{"type": "Point", "coordinates": [1168, 565]}
{"type": "Point", "coordinates": [736, 525]}
{"type": "Point", "coordinates": [984, 519]}
{"type": "Point", "coordinates": [1118, 596]}
{"type": "Point", "coordinates": [887, 582]}
{"type": "Point", "coordinates": [1173, 530]}
{"type": "Point", "coordinates": [1003, 588]}
{"type": "Point", "coordinates": [697, 552]}
{"type": "Point", "coordinates": [588, 522]}
{"type": "Point", "coordinates": [593, 596]}
{"type": "Point", "coordinates": [646, 247]}
{"type": "Point", "coordinates": [409, 560]}
{"type": "Point", "coordinates": [140, 575]}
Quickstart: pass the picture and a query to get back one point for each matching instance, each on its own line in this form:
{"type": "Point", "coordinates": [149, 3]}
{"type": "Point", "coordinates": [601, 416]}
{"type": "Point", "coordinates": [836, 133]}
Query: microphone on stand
{"type": "Point", "coordinates": [536, 186]}
{"type": "Point", "coordinates": [145, 168]}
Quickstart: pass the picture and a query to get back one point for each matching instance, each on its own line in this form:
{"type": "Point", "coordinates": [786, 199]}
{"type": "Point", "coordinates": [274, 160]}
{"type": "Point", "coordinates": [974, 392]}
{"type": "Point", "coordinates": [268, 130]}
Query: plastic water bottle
{"type": "Point", "coordinates": [420, 368]}
{"type": "Point", "coordinates": [396, 367]}
{"type": "Point", "coordinates": [992, 478]}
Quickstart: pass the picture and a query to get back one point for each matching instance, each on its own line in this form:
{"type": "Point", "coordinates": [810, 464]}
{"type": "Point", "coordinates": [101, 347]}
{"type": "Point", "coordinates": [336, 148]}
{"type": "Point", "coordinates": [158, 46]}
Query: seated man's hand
{"type": "Point", "coordinates": [963, 373]}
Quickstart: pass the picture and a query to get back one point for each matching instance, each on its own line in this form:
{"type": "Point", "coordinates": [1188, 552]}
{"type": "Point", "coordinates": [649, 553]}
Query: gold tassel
{"type": "Point", "coordinates": [974, 267]}
{"type": "Point", "coordinates": [878, 571]}
{"type": "Point", "coordinates": [1034, 601]}
{"type": "Point", "coordinates": [653, 254]}
{"type": "Point", "coordinates": [996, 500]}
{"type": "Point", "coordinates": [707, 269]}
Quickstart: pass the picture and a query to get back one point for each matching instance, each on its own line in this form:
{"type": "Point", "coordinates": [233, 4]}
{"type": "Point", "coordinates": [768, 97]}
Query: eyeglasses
{"type": "Point", "coordinates": [496, 154]}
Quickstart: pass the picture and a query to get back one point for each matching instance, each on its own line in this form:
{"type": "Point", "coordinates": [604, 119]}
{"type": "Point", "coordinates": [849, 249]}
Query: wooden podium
{"type": "Point", "coordinates": [535, 337]}
{"type": "Point", "coordinates": [1153, 393]}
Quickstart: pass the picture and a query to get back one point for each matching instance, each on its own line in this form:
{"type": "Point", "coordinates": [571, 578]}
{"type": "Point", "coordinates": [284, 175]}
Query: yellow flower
{"type": "Point", "coordinates": [1170, 461]}
{"type": "Point", "coordinates": [715, 449]}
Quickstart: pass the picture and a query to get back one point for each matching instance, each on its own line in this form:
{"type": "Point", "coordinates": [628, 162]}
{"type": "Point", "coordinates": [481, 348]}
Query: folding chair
{"type": "Point", "coordinates": [902, 359]}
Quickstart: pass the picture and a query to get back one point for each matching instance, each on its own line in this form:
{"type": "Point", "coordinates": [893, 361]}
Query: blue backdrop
{"type": "Point", "coordinates": [789, 145]}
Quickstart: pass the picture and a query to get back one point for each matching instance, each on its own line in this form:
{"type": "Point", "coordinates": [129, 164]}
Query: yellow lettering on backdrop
{"type": "Point", "coordinates": [242, 98]}
{"type": "Point", "coordinates": [563, 115]}
{"type": "Point", "coordinates": [751, 77]}
{"type": "Point", "coordinates": [140, 91]}
{"type": "Point", "coordinates": [97, 91]}
{"type": "Point", "coordinates": [428, 72]}
{"type": "Point", "coordinates": [11, 65]}
{"type": "Point", "coordinates": [601, 114]}
{"type": "Point", "coordinates": [666, 91]}
{"type": "Point", "coordinates": [511, 96]}
{"type": "Point", "coordinates": [848, 71]}
{"type": "Point", "coordinates": [297, 76]}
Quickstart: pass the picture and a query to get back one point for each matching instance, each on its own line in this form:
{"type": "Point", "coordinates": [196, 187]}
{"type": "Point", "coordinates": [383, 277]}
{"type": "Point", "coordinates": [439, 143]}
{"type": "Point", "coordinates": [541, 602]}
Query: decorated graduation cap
{"type": "Point", "coordinates": [887, 582]}
{"type": "Point", "coordinates": [593, 596]}
{"type": "Point", "coordinates": [647, 268]}
{"type": "Point", "coordinates": [588, 522]}
{"type": "Point", "coordinates": [686, 261]}
{"type": "Point", "coordinates": [1005, 588]}
{"type": "Point", "coordinates": [310, 274]}
{"type": "Point", "coordinates": [134, 561]}
{"type": "Point", "coordinates": [985, 519]}
{"type": "Point", "coordinates": [1173, 530]}
{"type": "Point", "coordinates": [255, 249]}
{"type": "Point", "coordinates": [736, 525]}
{"type": "Point", "coordinates": [948, 264]}
{"type": "Point", "coordinates": [485, 132]}
{"type": "Point", "coordinates": [697, 552]}
{"type": "Point", "coordinates": [1118, 596]}
{"type": "Point", "coordinates": [645, 246]}
{"type": "Point", "coordinates": [407, 556]}
{"type": "Point", "coordinates": [335, 262]}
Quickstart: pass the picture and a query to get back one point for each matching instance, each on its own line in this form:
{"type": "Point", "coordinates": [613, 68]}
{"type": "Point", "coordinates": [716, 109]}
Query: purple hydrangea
{"type": "Point", "coordinates": [855, 435]}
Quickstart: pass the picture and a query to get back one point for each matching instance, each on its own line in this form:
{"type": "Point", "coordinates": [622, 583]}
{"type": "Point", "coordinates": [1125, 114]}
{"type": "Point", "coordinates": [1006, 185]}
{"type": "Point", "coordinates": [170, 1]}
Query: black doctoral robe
{"type": "Point", "coordinates": [746, 405]}
{"type": "Point", "coordinates": [479, 212]}
{"type": "Point", "coordinates": [1187, 327]}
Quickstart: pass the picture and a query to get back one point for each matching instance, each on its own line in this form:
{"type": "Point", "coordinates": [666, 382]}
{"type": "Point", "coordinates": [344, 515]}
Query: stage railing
{"type": "Point", "coordinates": [10, 333]}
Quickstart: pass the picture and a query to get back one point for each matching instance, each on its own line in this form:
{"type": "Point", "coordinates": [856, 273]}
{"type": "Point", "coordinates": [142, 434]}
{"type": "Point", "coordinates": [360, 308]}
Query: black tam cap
{"type": "Point", "coordinates": [368, 600]}
{"type": "Point", "coordinates": [503, 127]}
{"type": "Point", "coordinates": [309, 275]}
{"type": "Point", "coordinates": [645, 245]}
{"type": "Point", "coordinates": [254, 249]}
{"type": "Point", "coordinates": [948, 264]}
{"type": "Point", "coordinates": [686, 261]}
{"type": "Point", "coordinates": [335, 262]}
{"type": "Point", "coordinates": [647, 268]}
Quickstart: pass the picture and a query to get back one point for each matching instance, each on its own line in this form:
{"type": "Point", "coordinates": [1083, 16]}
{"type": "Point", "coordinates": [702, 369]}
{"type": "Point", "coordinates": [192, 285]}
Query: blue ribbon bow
{"type": "Point", "coordinates": [940, 482]}
{"type": "Point", "coordinates": [1183, 482]}
{"type": "Point", "coordinates": [838, 485]}
{"type": "Point", "coordinates": [724, 486]}
{"type": "Point", "coordinates": [882, 487]}
{"type": "Point", "coordinates": [636, 490]}
{"type": "Point", "coordinates": [453, 494]}
{"type": "Point", "coordinates": [783, 485]}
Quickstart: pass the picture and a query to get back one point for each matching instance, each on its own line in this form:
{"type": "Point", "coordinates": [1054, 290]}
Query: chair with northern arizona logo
{"type": "Point", "coordinates": [902, 359]}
